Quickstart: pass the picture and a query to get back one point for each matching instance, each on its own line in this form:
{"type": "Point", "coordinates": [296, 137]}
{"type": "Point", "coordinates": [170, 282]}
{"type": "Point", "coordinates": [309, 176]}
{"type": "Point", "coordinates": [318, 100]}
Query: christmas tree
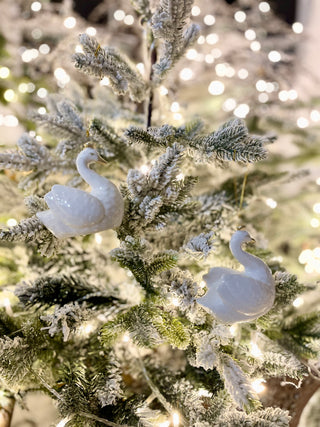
{"type": "Point", "coordinates": [143, 324]}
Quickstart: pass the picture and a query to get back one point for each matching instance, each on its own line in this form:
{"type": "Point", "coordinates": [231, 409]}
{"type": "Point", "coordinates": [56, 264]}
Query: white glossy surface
{"type": "Point", "coordinates": [235, 296]}
{"type": "Point", "coordinates": [74, 212]}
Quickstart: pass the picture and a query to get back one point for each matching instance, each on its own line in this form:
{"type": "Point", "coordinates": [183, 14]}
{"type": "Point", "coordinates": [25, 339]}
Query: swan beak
{"type": "Point", "coordinates": [252, 241]}
{"type": "Point", "coordinates": [102, 161]}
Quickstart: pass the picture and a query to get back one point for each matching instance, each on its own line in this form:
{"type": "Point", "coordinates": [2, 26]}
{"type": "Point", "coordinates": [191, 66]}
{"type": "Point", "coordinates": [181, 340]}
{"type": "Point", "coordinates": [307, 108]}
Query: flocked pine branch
{"type": "Point", "coordinates": [168, 25]}
{"type": "Point", "coordinates": [108, 62]}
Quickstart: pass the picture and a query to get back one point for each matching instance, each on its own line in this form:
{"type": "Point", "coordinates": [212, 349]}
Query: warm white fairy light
{"type": "Point", "coordinates": [10, 95]}
{"type": "Point", "coordinates": [195, 11]}
{"type": "Point", "coordinates": [180, 176]}
{"type": "Point", "coordinates": [220, 69]}
{"type": "Point", "coordinates": [70, 22]}
{"type": "Point", "coordinates": [283, 95]}
{"type": "Point", "coordinates": [12, 222]}
{"type": "Point", "coordinates": [191, 54]}
{"type": "Point", "coordinates": [230, 71]}
{"type": "Point", "coordinates": [128, 19]}
{"type": "Point", "coordinates": [209, 20]}
{"type": "Point", "coordinates": [264, 7]}
{"type": "Point", "coordinates": [250, 34]}
{"type": "Point", "coordinates": [216, 87]}
{"type": "Point", "coordinates": [164, 424]}
{"type": "Point", "coordinates": [62, 77]}
{"type": "Point", "coordinates": [42, 92]}
{"type": "Point", "coordinates": [261, 85]}
{"type": "Point", "coordinates": [240, 16]}
{"type": "Point", "coordinates": [42, 110]}
{"type": "Point", "coordinates": [91, 31]}
{"type": "Point", "coordinates": [258, 386]}
{"type": "Point", "coordinates": [316, 252]}
{"type": "Point", "coordinates": [186, 74]}
{"type": "Point", "coordinates": [233, 330]}
{"type": "Point", "coordinates": [263, 98]}
{"type": "Point", "coordinates": [316, 208]}
{"type": "Point", "coordinates": [203, 392]}
{"type": "Point", "coordinates": [4, 72]}
{"type": "Point", "coordinates": [297, 27]}
{"type": "Point", "coordinates": [209, 59]}
{"type": "Point", "coordinates": [292, 94]}
{"type": "Point", "coordinates": [10, 121]}
{"type": "Point", "coordinates": [271, 203]}
{"type": "Point", "coordinates": [119, 15]}
{"type": "Point", "coordinates": [105, 81]}
{"type": "Point", "coordinates": [270, 87]}
{"type": "Point", "coordinates": [175, 419]}
{"type": "Point", "coordinates": [241, 111]}
{"type": "Point", "coordinates": [29, 54]}
{"type": "Point", "coordinates": [175, 107]}
{"type": "Point", "coordinates": [298, 302]}
{"type": "Point", "coordinates": [229, 104]}
{"type": "Point", "coordinates": [255, 46]}
{"type": "Point", "coordinates": [175, 301]}
{"type": "Point", "coordinates": [163, 90]}
{"type": "Point", "coordinates": [141, 67]}
{"type": "Point", "coordinates": [98, 238]}
{"type": "Point", "coordinates": [126, 337]}
{"type": "Point", "coordinates": [39, 138]}
{"type": "Point", "coordinates": [311, 259]}
{"type": "Point", "coordinates": [302, 122]}
{"type": "Point", "coordinates": [44, 49]}
{"type": "Point", "coordinates": [212, 38]}
{"type": "Point", "coordinates": [274, 56]}
{"type": "Point", "coordinates": [243, 73]}
{"type": "Point", "coordinates": [201, 40]}
{"type": "Point", "coordinates": [177, 116]}
{"type": "Point", "coordinates": [314, 222]}
{"type": "Point", "coordinates": [255, 350]}
{"type": "Point", "coordinates": [216, 53]}
{"type": "Point", "coordinates": [36, 33]}
{"type": "Point", "coordinates": [202, 284]}
{"type": "Point", "coordinates": [145, 169]}
{"type": "Point", "coordinates": [305, 256]}
{"type": "Point", "coordinates": [315, 115]}
{"type": "Point", "coordinates": [36, 6]}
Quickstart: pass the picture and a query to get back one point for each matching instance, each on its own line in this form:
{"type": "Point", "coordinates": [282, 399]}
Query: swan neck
{"type": "Point", "coordinates": [247, 260]}
{"type": "Point", "coordinates": [89, 175]}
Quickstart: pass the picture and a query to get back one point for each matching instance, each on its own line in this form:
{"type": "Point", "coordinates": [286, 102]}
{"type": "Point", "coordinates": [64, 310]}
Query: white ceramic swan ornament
{"type": "Point", "coordinates": [235, 296]}
{"type": "Point", "coordinates": [74, 212]}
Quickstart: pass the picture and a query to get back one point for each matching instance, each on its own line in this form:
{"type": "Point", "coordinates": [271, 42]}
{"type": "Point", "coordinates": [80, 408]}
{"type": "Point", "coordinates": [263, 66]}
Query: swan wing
{"type": "Point", "coordinates": [75, 207]}
{"type": "Point", "coordinates": [245, 294]}
{"type": "Point", "coordinates": [215, 274]}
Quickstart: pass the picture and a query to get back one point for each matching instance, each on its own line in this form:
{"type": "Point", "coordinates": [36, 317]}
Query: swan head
{"type": "Point", "coordinates": [87, 156]}
{"type": "Point", "coordinates": [241, 236]}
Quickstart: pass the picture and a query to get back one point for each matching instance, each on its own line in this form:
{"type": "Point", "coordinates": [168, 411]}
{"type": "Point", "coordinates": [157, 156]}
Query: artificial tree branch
{"type": "Point", "coordinates": [7, 404]}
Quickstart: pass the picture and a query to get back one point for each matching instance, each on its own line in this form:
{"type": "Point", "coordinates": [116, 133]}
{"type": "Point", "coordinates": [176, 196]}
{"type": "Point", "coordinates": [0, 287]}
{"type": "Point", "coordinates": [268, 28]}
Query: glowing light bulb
{"type": "Point", "coordinates": [243, 73]}
{"type": "Point", "coordinates": [315, 115]}
{"type": "Point", "coordinates": [292, 94]}
{"type": "Point", "coordinates": [126, 337]}
{"type": "Point", "coordinates": [201, 40]}
{"type": "Point", "coordinates": [42, 110]}
{"type": "Point", "coordinates": [119, 15]}
{"type": "Point", "coordinates": [4, 72]}
{"type": "Point", "coordinates": [98, 238]}
{"type": "Point", "coordinates": [233, 330]}
{"type": "Point", "coordinates": [105, 81]}
{"type": "Point", "coordinates": [145, 169]}
{"type": "Point", "coordinates": [29, 54]}
{"type": "Point", "coordinates": [241, 111]}
{"type": "Point", "coordinates": [240, 16]}
{"type": "Point", "coordinates": [36, 6]}
{"type": "Point", "coordinates": [264, 7]}
{"type": "Point", "coordinates": [91, 31]}
{"type": "Point", "coordinates": [175, 107]}
{"type": "Point", "coordinates": [202, 284]}
{"type": "Point", "coordinates": [141, 68]}
{"type": "Point", "coordinates": [180, 176]}
{"type": "Point", "coordinates": [229, 104]}
{"type": "Point", "coordinates": [128, 19]}
{"type": "Point", "coordinates": [186, 74]}
{"type": "Point", "coordinates": [263, 98]}
{"type": "Point", "coordinates": [175, 419]}
{"type": "Point", "coordinates": [204, 392]}
{"type": "Point", "coordinates": [12, 222]}
{"type": "Point", "coordinates": [297, 27]}
{"type": "Point", "coordinates": [298, 302]}
{"type": "Point", "coordinates": [261, 85]}
{"type": "Point", "coordinates": [274, 56]}
{"type": "Point", "coordinates": [175, 301]}
{"type": "Point", "coordinates": [177, 116]}
{"type": "Point", "coordinates": [164, 424]}
{"type": "Point", "coordinates": [316, 208]}
{"type": "Point", "coordinates": [216, 87]}
{"type": "Point", "coordinates": [62, 77]}
{"type": "Point", "coordinates": [195, 11]}
{"type": "Point", "coordinates": [258, 386]}
{"type": "Point", "coordinates": [209, 20]}
{"type": "Point", "coordinates": [305, 256]}
{"type": "Point", "coordinates": [283, 95]}
{"type": "Point", "coordinates": [212, 38]}
{"type": "Point", "coordinates": [44, 49]}
{"type": "Point", "coordinates": [42, 92]}
{"type": "Point", "coordinates": [314, 222]}
{"type": "Point", "coordinates": [209, 59]}
{"type": "Point", "coordinates": [216, 53]}
{"type": "Point", "coordinates": [271, 203]}
{"type": "Point", "coordinates": [10, 121]}
{"type": "Point", "coordinates": [250, 34]}
{"type": "Point", "coordinates": [255, 46]}
{"type": "Point", "coordinates": [302, 122]}
{"type": "Point", "coordinates": [163, 90]}
{"type": "Point", "coordinates": [191, 54]}
{"type": "Point", "coordinates": [10, 96]}
{"type": "Point", "coordinates": [255, 350]}
{"type": "Point", "coordinates": [70, 22]}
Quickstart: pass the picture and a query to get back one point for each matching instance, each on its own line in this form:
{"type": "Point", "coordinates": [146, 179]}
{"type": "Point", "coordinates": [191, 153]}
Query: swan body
{"type": "Point", "coordinates": [74, 212]}
{"type": "Point", "coordinates": [235, 296]}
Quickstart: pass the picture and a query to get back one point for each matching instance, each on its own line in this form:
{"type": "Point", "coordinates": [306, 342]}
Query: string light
{"type": "Point", "coordinates": [233, 330]}
{"type": "Point", "coordinates": [216, 53]}
{"type": "Point", "coordinates": [292, 94]}
{"type": "Point", "coordinates": [10, 96]}
{"type": "Point", "coordinates": [316, 208]}
{"type": "Point", "coordinates": [315, 115]}
{"type": "Point", "coordinates": [175, 419]}
{"type": "Point", "coordinates": [318, 181]}
{"type": "Point", "coordinates": [302, 122]}
{"type": "Point", "coordinates": [62, 77]}
{"type": "Point", "coordinates": [263, 97]}
{"type": "Point", "coordinates": [141, 68]}
{"type": "Point", "coordinates": [145, 169]}
{"type": "Point", "coordinates": [209, 59]}
{"type": "Point", "coordinates": [261, 85]}
{"type": "Point", "coordinates": [42, 110]}
{"type": "Point", "coordinates": [36, 33]}
{"type": "Point", "coordinates": [91, 31]}
{"type": "Point", "coordinates": [250, 34]}
{"type": "Point", "coordinates": [201, 40]}
{"type": "Point", "coordinates": [243, 73]}
{"type": "Point", "coordinates": [240, 16]}
{"type": "Point", "coordinates": [202, 284]}
{"type": "Point", "coordinates": [229, 104]}
{"type": "Point", "coordinates": [70, 22]}
{"type": "Point", "coordinates": [36, 6]}
{"type": "Point", "coordinates": [175, 301]}
{"type": "Point", "coordinates": [195, 11]}
{"type": "Point", "coordinates": [12, 222]}
{"type": "Point", "coordinates": [297, 27]}
{"type": "Point", "coordinates": [216, 87]}
{"type": "Point", "coordinates": [175, 107]}
{"type": "Point", "coordinates": [255, 46]}
{"type": "Point", "coordinates": [312, 260]}
{"type": "Point", "coordinates": [126, 337]}
{"type": "Point", "coordinates": [164, 424]}
{"type": "Point", "coordinates": [177, 116]}
{"type": "Point", "coordinates": [258, 386]}
{"type": "Point", "coordinates": [29, 54]}
{"type": "Point", "coordinates": [283, 95]}
{"type": "Point", "coordinates": [274, 56]}
{"type": "Point", "coordinates": [271, 203]}
{"type": "Point", "coordinates": [105, 81]}
{"type": "Point", "coordinates": [204, 392]}
{"type": "Point", "coordinates": [9, 120]}
{"type": "Point", "coordinates": [186, 74]}
{"type": "Point", "coordinates": [4, 72]}
{"type": "Point", "coordinates": [128, 19]}
{"type": "Point", "coordinates": [119, 15]}
{"type": "Point", "coordinates": [42, 92]}
{"type": "Point", "coordinates": [212, 38]}
{"type": "Point", "coordinates": [180, 176]}
{"type": "Point", "coordinates": [264, 7]}
{"type": "Point", "coordinates": [241, 111]}
{"type": "Point", "coordinates": [44, 49]}
{"type": "Point", "coordinates": [255, 350]}
{"type": "Point", "coordinates": [98, 238]}
{"type": "Point", "coordinates": [314, 222]}
{"type": "Point", "coordinates": [298, 302]}
{"type": "Point", "coordinates": [209, 20]}
{"type": "Point", "coordinates": [191, 54]}
{"type": "Point", "coordinates": [163, 90]}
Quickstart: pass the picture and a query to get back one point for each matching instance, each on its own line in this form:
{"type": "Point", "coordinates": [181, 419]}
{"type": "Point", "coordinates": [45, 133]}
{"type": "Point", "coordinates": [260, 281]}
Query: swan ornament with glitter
{"type": "Point", "coordinates": [235, 296]}
{"type": "Point", "coordinates": [74, 212]}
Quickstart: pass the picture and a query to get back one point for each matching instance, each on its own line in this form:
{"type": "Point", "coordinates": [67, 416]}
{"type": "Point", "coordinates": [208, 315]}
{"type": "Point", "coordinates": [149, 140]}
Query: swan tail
{"type": "Point", "coordinates": [54, 224]}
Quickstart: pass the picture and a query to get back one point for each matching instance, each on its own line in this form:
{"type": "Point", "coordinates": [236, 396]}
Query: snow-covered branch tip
{"type": "Point", "coordinates": [107, 62]}
{"type": "Point", "coordinates": [168, 23]}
